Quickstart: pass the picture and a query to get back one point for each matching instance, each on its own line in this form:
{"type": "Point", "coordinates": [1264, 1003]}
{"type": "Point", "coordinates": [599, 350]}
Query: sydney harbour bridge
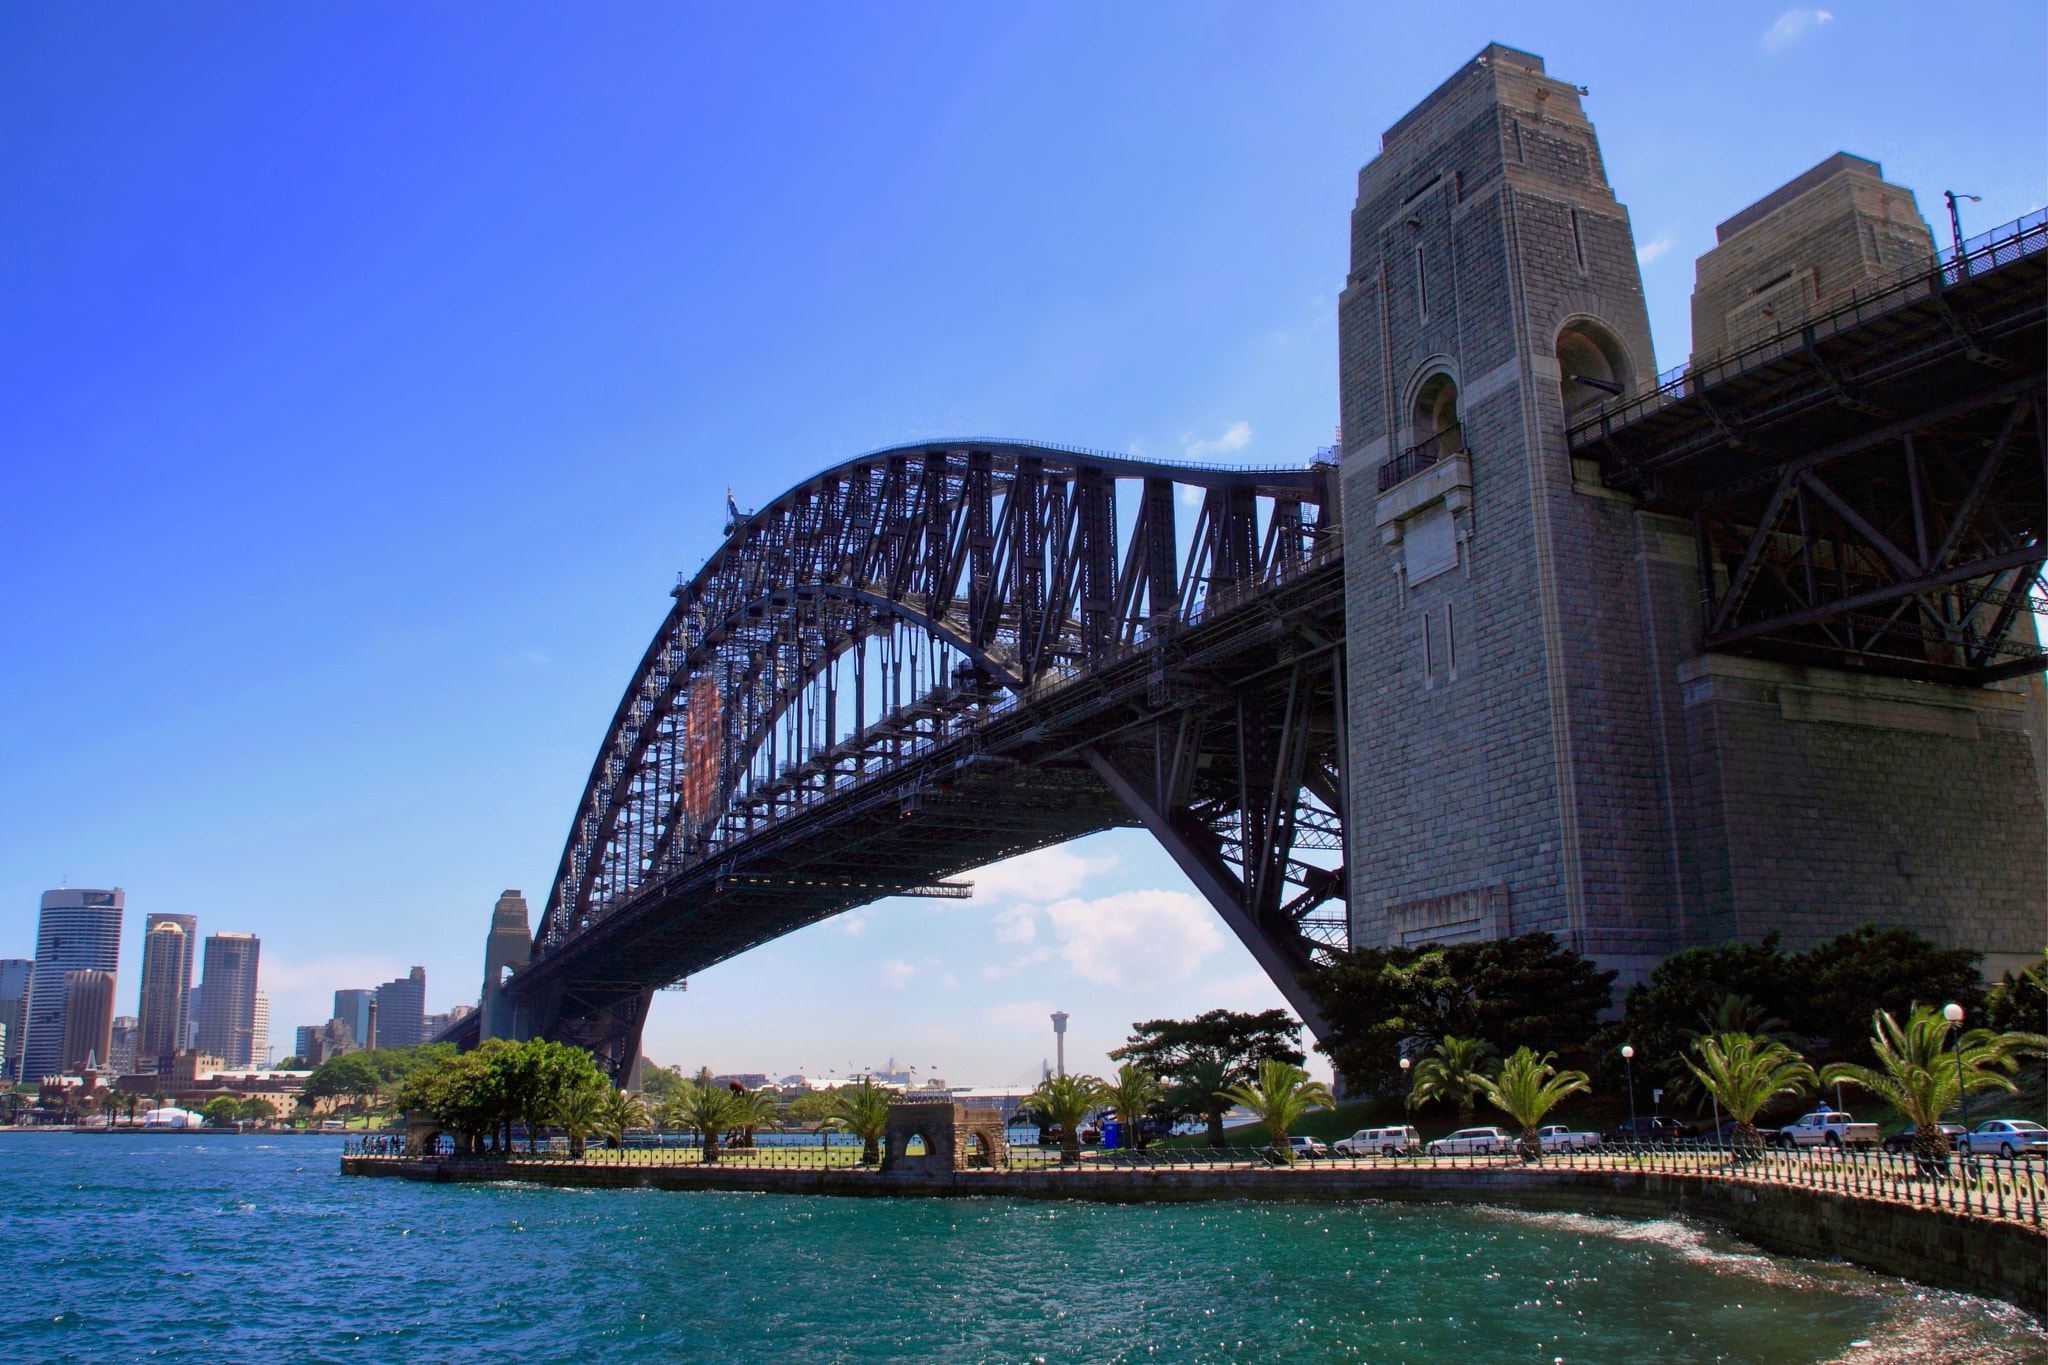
{"type": "Point", "coordinates": [935, 656]}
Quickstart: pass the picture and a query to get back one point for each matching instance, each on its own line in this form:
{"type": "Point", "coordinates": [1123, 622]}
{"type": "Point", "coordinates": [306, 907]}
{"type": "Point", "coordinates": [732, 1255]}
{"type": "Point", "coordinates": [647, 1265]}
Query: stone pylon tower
{"type": "Point", "coordinates": [1511, 622]}
{"type": "Point", "coordinates": [508, 948]}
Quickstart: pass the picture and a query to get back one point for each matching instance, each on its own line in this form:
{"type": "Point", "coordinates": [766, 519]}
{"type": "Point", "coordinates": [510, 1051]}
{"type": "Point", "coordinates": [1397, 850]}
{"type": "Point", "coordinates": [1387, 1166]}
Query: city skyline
{"type": "Point", "coordinates": [356, 443]}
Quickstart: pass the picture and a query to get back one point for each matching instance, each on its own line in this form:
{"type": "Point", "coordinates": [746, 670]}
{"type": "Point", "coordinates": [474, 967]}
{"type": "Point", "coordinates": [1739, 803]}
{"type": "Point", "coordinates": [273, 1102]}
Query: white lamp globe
{"type": "Point", "coordinates": [1952, 1012]}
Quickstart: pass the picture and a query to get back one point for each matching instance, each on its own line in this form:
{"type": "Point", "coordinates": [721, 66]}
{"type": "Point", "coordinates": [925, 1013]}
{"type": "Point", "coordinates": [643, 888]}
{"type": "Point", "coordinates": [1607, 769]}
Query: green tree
{"type": "Point", "coordinates": [1842, 982]}
{"type": "Point", "coordinates": [221, 1110]}
{"type": "Point", "coordinates": [1515, 992]}
{"type": "Point", "coordinates": [1198, 1057]}
{"type": "Point", "coordinates": [464, 1094]}
{"type": "Point", "coordinates": [1134, 1094]}
{"type": "Point", "coordinates": [579, 1112]}
{"type": "Point", "coordinates": [861, 1109]}
{"type": "Point", "coordinates": [536, 1075]}
{"type": "Point", "coordinates": [1527, 1088]}
{"type": "Point", "coordinates": [753, 1110]}
{"type": "Point", "coordinates": [622, 1110]}
{"type": "Point", "coordinates": [1745, 1072]}
{"type": "Point", "coordinates": [657, 1083]}
{"type": "Point", "coordinates": [110, 1102]}
{"type": "Point", "coordinates": [1921, 1076]}
{"type": "Point", "coordinates": [1066, 1102]}
{"type": "Point", "coordinates": [704, 1107]}
{"type": "Point", "coordinates": [813, 1106]}
{"type": "Point", "coordinates": [1278, 1099]}
{"type": "Point", "coordinates": [353, 1075]}
{"type": "Point", "coordinates": [257, 1110]}
{"type": "Point", "coordinates": [292, 1064]}
{"type": "Point", "coordinates": [1453, 1070]}
{"type": "Point", "coordinates": [2019, 1002]}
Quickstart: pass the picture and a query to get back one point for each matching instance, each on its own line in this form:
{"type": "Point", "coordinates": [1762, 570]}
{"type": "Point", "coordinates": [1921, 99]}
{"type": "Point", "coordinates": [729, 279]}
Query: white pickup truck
{"type": "Point", "coordinates": [1827, 1128]}
{"type": "Point", "coordinates": [1558, 1138]}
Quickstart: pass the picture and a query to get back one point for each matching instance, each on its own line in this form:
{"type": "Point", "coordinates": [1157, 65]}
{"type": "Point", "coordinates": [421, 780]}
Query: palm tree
{"type": "Point", "coordinates": [753, 1109]}
{"type": "Point", "coordinates": [1529, 1087]}
{"type": "Point", "coordinates": [1744, 1072]}
{"type": "Point", "coordinates": [580, 1112]}
{"type": "Point", "coordinates": [622, 1110]}
{"type": "Point", "coordinates": [861, 1109]}
{"type": "Point", "coordinates": [110, 1105]}
{"type": "Point", "coordinates": [1133, 1094]}
{"type": "Point", "coordinates": [1066, 1102]}
{"type": "Point", "coordinates": [705, 1107]}
{"type": "Point", "coordinates": [1454, 1070]}
{"type": "Point", "coordinates": [1278, 1099]}
{"type": "Point", "coordinates": [1922, 1075]}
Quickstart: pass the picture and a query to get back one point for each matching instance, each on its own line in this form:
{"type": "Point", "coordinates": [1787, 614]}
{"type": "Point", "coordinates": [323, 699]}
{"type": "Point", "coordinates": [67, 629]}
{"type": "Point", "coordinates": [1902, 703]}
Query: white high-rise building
{"type": "Point", "coordinates": [259, 1045]}
{"type": "Point", "coordinates": [80, 931]}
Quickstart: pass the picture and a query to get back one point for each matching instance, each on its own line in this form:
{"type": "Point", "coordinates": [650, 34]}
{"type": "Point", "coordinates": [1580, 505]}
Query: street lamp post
{"type": "Point", "coordinates": [1955, 224]}
{"type": "Point", "coordinates": [1628, 1062]}
{"type": "Point", "coordinates": [1954, 1014]}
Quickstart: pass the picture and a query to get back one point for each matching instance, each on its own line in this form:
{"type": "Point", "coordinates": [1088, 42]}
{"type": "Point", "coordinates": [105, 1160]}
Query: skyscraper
{"type": "Point", "coordinates": [259, 1030]}
{"type": "Point", "coordinates": [14, 977]}
{"type": "Point", "coordinates": [80, 931]}
{"type": "Point", "coordinates": [402, 1009]}
{"type": "Point", "coordinates": [181, 1030]}
{"type": "Point", "coordinates": [227, 1004]}
{"type": "Point", "coordinates": [88, 1020]}
{"type": "Point", "coordinates": [166, 988]}
{"type": "Point", "coordinates": [352, 1007]}
{"type": "Point", "coordinates": [121, 1045]}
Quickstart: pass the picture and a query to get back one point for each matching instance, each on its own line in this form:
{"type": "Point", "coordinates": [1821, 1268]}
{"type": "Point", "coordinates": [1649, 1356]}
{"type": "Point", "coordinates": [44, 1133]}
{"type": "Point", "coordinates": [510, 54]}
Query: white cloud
{"type": "Point", "coordinates": [1134, 939]}
{"type": "Point", "coordinates": [1793, 25]}
{"type": "Point", "coordinates": [1018, 924]}
{"type": "Point", "coordinates": [850, 924]}
{"type": "Point", "coordinates": [1047, 874]}
{"type": "Point", "coordinates": [1237, 438]}
{"type": "Point", "coordinates": [896, 973]}
{"type": "Point", "coordinates": [1651, 250]}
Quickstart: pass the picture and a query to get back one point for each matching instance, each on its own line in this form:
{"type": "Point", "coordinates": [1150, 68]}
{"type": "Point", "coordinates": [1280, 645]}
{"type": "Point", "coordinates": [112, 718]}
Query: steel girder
{"type": "Point", "coordinates": [1871, 492]}
{"type": "Point", "coordinates": [843, 688]}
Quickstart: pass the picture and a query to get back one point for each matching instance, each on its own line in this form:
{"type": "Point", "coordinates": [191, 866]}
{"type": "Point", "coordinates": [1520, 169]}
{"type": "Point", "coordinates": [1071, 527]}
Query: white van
{"type": "Point", "coordinates": [333, 1126]}
{"type": "Point", "coordinates": [1379, 1142]}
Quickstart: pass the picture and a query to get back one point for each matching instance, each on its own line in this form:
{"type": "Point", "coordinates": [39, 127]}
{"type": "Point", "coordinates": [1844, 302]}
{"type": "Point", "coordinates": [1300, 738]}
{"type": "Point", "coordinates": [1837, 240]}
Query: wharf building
{"type": "Point", "coordinates": [1539, 740]}
{"type": "Point", "coordinates": [79, 931]}
{"type": "Point", "coordinates": [227, 1000]}
{"type": "Point", "coordinates": [14, 978]}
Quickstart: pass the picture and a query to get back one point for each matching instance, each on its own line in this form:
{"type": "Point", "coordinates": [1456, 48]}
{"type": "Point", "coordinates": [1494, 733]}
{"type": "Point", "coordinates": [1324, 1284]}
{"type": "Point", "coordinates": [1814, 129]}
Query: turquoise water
{"type": "Point", "coordinates": [200, 1248]}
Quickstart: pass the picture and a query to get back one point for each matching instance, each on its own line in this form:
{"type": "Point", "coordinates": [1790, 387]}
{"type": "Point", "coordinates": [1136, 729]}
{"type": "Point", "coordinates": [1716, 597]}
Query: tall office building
{"type": "Point", "coordinates": [302, 1041]}
{"type": "Point", "coordinates": [166, 990]}
{"type": "Point", "coordinates": [80, 931]}
{"type": "Point", "coordinates": [352, 1007]}
{"type": "Point", "coordinates": [402, 1009]}
{"type": "Point", "coordinates": [181, 1031]}
{"type": "Point", "coordinates": [14, 977]}
{"type": "Point", "coordinates": [227, 1002]}
{"type": "Point", "coordinates": [88, 1020]}
{"type": "Point", "coordinates": [259, 1045]}
{"type": "Point", "coordinates": [121, 1045]}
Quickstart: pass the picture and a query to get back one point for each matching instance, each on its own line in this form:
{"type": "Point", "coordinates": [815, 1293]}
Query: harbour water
{"type": "Point", "coordinates": [223, 1248]}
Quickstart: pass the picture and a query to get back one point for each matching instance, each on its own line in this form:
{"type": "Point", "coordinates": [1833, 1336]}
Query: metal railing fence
{"type": "Point", "coordinates": [1798, 328]}
{"type": "Point", "coordinates": [2010, 1188]}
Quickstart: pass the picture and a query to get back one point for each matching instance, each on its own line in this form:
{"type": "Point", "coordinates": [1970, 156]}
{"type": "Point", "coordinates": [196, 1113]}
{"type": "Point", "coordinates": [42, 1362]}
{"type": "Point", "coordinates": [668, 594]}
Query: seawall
{"type": "Point", "coordinates": [1944, 1248]}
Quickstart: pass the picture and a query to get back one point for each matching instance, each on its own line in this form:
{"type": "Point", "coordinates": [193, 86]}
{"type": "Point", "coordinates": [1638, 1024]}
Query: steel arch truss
{"type": "Point", "coordinates": [894, 604]}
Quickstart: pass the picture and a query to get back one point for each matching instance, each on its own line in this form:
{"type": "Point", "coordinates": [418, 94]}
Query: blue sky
{"type": "Point", "coordinates": [368, 371]}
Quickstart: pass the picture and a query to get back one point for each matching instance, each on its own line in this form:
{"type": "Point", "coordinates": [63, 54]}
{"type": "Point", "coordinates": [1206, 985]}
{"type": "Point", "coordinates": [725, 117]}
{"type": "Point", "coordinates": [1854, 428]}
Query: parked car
{"type": "Point", "coordinates": [1469, 1140]}
{"type": "Point", "coordinates": [1903, 1141]}
{"type": "Point", "coordinates": [1556, 1137]}
{"type": "Point", "coordinates": [1379, 1142]}
{"type": "Point", "coordinates": [1306, 1146]}
{"type": "Point", "coordinates": [1656, 1128]}
{"type": "Point", "coordinates": [1827, 1128]}
{"type": "Point", "coordinates": [2006, 1137]}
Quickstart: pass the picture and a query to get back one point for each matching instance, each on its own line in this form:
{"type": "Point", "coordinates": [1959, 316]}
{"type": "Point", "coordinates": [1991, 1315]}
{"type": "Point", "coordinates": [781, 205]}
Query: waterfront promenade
{"type": "Point", "coordinates": [1976, 1228]}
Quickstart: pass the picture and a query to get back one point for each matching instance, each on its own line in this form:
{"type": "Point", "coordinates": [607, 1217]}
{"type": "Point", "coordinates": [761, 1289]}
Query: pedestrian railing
{"type": "Point", "coordinates": [2012, 1188]}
